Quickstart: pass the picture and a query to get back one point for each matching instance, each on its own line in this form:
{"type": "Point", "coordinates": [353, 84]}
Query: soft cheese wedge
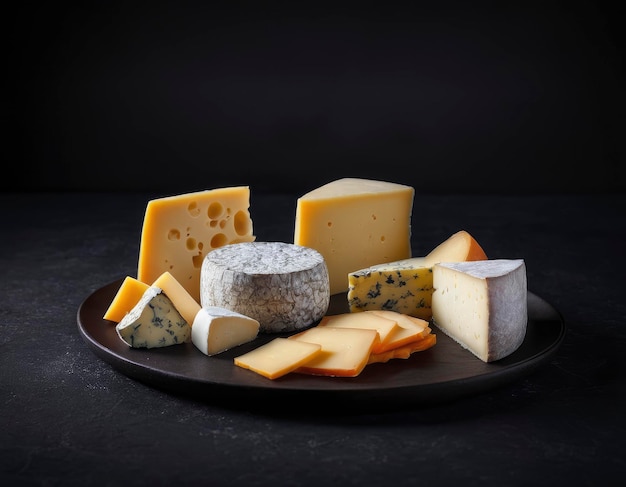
{"type": "Point", "coordinates": [127, 296]}
{"type": "Point", "coordinates": [216, 330]}
{"type": "Point", "coordinates": [278, 357]}
{"type": "Point", "coordinates": [482, 305]}
{"type": "Point", "coordinates": [153, 322]}
{"type": "Point", "coordinates": [345, 351]}
{"type": "Point", "coordinates": [355, 223]}
{"type": "Point", "coordinates": [406, 286]}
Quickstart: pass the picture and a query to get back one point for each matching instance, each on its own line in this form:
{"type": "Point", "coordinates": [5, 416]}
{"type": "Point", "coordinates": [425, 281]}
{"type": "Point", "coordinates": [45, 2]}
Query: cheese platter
{"type": "Point", "coordinates": [444, 373]}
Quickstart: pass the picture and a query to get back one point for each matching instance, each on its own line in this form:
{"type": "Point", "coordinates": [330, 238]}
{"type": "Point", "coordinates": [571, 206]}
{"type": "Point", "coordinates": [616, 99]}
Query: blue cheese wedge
{"type": "Point", "coordinates": [482, 305]}
{"type": "Point", "coordinates": [153, 322]}
{"type": "Point", "coordinates": [404, 286]}
{"type": "Point", "coordinates": [285, 287]}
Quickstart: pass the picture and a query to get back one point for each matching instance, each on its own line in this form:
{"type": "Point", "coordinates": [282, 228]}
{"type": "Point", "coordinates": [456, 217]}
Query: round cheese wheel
{"type": "Point", "coordinates": [285, 287]}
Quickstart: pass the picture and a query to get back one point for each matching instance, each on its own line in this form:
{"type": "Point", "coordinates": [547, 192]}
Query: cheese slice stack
{"type": "Point", "coordinates": [482, 305]}
{"type": "Point", "coordinates": [355, 223]}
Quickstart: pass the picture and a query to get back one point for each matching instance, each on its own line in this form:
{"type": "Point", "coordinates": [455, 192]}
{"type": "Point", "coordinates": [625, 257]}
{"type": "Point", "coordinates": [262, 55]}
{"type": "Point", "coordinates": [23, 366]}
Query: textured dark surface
{"type": "Point", "coordinates": [69, 418]}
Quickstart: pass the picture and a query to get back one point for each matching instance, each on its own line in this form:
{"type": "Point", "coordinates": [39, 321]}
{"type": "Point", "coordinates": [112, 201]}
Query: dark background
{"type": "Point", "coordinates": [446, 96]}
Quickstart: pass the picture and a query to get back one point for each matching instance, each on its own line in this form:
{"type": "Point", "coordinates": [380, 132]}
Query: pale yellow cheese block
{"type": "Point", "coordinates": [278, 357]}
{"type": "Point", "coordinates": [127, 296]}
{"type": "Point", "coordinates": [345, 351]}
{"type": "Point", "coordinates": [179, 231]}
{"type": "Point", "coordinates": [355, 223]}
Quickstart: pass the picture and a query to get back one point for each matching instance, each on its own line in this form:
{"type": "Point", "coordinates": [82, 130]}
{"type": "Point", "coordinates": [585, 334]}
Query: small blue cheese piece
{"type": "Point", "coordinates": [482, 305]}
{"type": "Point", "coordinates": [285, 287]}
{"type": "Point", "coordinates": [153, 322]}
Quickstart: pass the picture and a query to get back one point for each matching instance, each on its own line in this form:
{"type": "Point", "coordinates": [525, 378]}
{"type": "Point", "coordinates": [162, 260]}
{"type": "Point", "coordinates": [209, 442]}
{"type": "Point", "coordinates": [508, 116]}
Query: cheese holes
{"type": "Point", "coordinates": [215, 210]}
{"type": "Point", "coordinates": [193, 209]}
{"type": "Point", "coordinates": [173, 234]}
{"type": "Point", "coordinates": [218, 240]}
{"type": "Point", "coordinates": [242, 222]}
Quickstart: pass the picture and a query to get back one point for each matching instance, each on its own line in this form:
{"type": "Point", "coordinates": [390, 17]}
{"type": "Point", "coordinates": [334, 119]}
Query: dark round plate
{"type": "Point", "coordinates": [442, 373]}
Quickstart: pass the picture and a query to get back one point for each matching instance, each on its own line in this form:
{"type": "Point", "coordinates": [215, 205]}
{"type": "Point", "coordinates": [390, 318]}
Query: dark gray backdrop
{"type": "Point", "coordinates": [445, 96]}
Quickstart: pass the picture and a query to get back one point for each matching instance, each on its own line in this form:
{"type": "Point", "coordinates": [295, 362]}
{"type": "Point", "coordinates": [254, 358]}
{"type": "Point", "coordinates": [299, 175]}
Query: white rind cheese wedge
{"type": "Point", "coordinates": [284, 287]}
{"type": "Point", "coordinates": [216, 330]}
{"type": "Point", "coordinates": [482, 305]}
{"type": "Point", "coordinates": [153, 322]}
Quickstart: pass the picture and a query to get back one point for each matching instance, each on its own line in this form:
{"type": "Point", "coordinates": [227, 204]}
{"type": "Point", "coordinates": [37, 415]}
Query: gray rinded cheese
{"type": "Point", "coordinates": [285, 287]}
{"type": "Point", "coordinates": [153, 322]}
{"type": "Point", "coordinates": [482, 305]}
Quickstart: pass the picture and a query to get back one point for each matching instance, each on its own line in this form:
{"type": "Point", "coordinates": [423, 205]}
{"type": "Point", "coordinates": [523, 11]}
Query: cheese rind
{"type": "Point", "coordinates": [127, 296]}
{"type": "Point", "coordinates": [284, 287]}
{"type": "Point", "coordinates": [355, 223]}
{"type": "Point", "coordinates": [482, 305]}
{"type": "Point", "coordinates": [153, 322]}
{"type": "Point", "coordinates": [278, 357]}
{"type": "Point", "coordinates": [216, 330]}
{"type": "Point", "coordinates": [179, 231]}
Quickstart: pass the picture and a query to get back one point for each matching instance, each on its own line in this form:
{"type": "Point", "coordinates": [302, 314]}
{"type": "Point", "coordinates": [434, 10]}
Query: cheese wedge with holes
{"type": "Point", "coordinates": [179, 231]}
{"type": "Point", "coordinates": [126, 297]}
{"type": "Point", "coordinates": [153, 322]}
{"type": "Point", "coordinates": [216, 330]}
{"type": "Point", "coordinates": [482, 305]}
{"type": "Point", "coordinates": [345, 351]}
{"type": "Point", "coordinates": [278, 357]}
{"type": "Point", "coordinates": [355, 223]}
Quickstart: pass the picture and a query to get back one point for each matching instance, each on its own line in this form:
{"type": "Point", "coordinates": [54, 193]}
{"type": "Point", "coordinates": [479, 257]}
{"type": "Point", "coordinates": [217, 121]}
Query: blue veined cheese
{"type": "Point", "coordinates": [285, 287]}
{"type": "Point", "coordinates": [482, 305]}
{"type": "Point", "coordinates": [404, 286]}
{"type": "Point", "coordinates": [153, 322]}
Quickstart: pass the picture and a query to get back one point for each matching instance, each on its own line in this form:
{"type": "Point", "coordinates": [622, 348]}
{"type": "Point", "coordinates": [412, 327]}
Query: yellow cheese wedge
{"type": "Point", "coordinates": [178, 231]}
{"type": "Point", "coordinates": [355, 223]}
{"type": "Point", "coordinates": [459, 247]}
{"type": "Point", "coordinates": [385, 327]}
{"type": "Point", "coordinates": [184, 303]}
{"type": "Point", "coordinates": [127, 296]}
{"type": "Point", "coordinates": [345, 351]}
{"type": "Point", "coordinates": [278, 357]}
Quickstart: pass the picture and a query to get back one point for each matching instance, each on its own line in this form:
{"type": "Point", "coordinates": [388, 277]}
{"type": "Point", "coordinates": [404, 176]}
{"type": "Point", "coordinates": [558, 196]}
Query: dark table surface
{"type": "Point", "coordinates": [70, 418]}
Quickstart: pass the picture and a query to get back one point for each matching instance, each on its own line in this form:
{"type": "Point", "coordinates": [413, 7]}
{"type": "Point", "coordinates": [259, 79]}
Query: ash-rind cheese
{"type": "Point", "coordinates": [285, 287]}
{"type": "Point", "coordinates": [482, 305]}
{"type": "Point", "coordinates": [153, 322]}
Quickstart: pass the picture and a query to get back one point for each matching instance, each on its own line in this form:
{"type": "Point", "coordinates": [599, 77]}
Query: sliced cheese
{"type": "Point", "coordinates": [278, 357]}
{"type": "Point", "coordinates": [355, 223]}
{"type": "Point", "coordinates": [184, 303]}
{"type": "Point", "coordinates": [179, 231]}
{"type": "Point", "coordinates": [127, 296]}
{"type": "Point", "coordinates": [345, 351]}
{"type": "Point", "coordinates": [385, 327]}
{"type": "Point", "coordinates": [482, 305]}
{"type": "Point", "coordinates": [153, 322]}
{"type": "Point", "coordinates": [406, 286]}
{"type": "Point", "coordinates": [409, 329]}
{"type": "Point", "coordinates": [284, 287]}
{"type": "Point", "coordinates": [216, 330]}
{"type": "Point", "coordinates": [405, 351]}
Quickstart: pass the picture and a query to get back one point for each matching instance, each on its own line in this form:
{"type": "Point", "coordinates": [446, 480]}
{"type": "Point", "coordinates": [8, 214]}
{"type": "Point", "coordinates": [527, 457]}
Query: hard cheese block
{"type": "Point", "coordinates": [153, 322]}
{"type": "Point", "coordinates": [127, 296]}
{"type": "Point", "coordinates": [482, 305]}
{"type": "Point", "coordinates": [284, 287]}
{"type": "Point", "coordinates": [216, 330]}
{"type": "Point", "coordinates": [355, 223]}
{"type": "Point", "coordinates": [179, 231]}
{"type": "Point", "coordinates": [406, 286]}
